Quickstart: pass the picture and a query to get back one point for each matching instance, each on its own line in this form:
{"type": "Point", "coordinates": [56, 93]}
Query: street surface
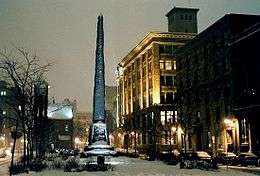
{"type": "Point", "coordinates": [136, 167]}
{"type": "Point", "coordinates": [4, 163]}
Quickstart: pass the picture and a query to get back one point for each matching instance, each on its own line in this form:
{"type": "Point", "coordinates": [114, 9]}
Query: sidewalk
{"type": "Point", "coordinates": [254, 170]}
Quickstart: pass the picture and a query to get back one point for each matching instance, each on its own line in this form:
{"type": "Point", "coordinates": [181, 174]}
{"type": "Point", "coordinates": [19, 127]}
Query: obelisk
{"type": "Point", "coordinates": [98, 135]}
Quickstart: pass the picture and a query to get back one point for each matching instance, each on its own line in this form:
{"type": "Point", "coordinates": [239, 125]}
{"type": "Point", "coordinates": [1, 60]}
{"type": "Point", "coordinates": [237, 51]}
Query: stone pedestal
{"type": "Point", "coordinates": [99, 141]}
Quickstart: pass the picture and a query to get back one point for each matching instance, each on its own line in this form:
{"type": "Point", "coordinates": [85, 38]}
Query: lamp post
{"type": "Point", "coordinates": [77, 142]}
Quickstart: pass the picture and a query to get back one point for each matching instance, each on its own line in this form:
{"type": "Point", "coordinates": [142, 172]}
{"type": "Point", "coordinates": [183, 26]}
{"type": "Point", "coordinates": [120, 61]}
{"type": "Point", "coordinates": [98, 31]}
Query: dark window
{"type": "Point", "coordinates": [161, 49]}
{"type": "Point", "coordinates": [186, 17]}
{"type": "Point", "coordinates": [150, 82]}
{"type": "Point", "coordinates": [190, 17]}
{"type": "Point", "coordinates": [162, 98]}
{"type": "Point", "coordinates": [169, 97]}
{"type": "Point", "coordinates": [162, 82]}
{"type": "Point", "coordinates": [169, 81]}
{"type": "Point", "coordinates": [149, 52]}
{"type": "Point", "coordinates": [143, 58]}
{"type": "Point", "coordinates": [218, 114]}
{"type": "Point", "coordinates": [168, 49]}
{"type": "Point", "coordinates": [144, 99]}
{"type": "Point", "coordinates": [150, 98]}
{"type": "Point", "coordinates": [181, 17]}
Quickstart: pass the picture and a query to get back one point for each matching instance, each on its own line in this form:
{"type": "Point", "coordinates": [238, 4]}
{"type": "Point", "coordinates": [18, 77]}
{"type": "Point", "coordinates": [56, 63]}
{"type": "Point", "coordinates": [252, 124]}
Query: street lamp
{"type": "Point", "coordinates": [227, 121]}
{"type": "Point", "coordinates": [77, 141]}
{"type": "Point", "coordinates": [174, 129]}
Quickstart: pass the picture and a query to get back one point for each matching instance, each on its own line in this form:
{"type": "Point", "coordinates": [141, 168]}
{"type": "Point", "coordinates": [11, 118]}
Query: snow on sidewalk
{"type": "Point", "coordinates": [136, 167]}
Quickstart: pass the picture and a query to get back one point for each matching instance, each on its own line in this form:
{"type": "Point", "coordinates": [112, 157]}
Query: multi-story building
{"type": "Point", "coordinates": [81, 126]}
{"type": "Point", "coordinates": [111, 112]}
{"type": "Point", "coordinates": [147, 113]}
{"type": "Point", "coordinates": [217, 84]}
{"type": "Point", "coordinates": [6, 113]}
{"type": "Point", "coordinates": [61, 117]}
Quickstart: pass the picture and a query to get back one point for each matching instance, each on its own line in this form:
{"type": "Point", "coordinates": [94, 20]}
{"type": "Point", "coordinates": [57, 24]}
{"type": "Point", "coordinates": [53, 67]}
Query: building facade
{"type": "Point", "coordinates": [60, 122]}
{"type": "Point", "coordinates": [6, 115]}
{"type": "Point", "coordinates": [111, 112]}
{"type": "Point", "coordinates": [146, 94]}
{"type": "Point", "coordinates": [81, 126]}
{"type": "Point", "coordinates": [211, 79]}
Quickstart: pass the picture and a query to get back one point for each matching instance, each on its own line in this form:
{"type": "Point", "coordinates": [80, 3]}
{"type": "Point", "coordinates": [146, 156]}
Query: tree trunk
{"type": "Point", "coordinates": [24, 134]}
{"type": "Point", "coordinates": [13, 149]}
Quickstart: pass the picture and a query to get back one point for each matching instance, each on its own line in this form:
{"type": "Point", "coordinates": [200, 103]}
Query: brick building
{"type": "Point", "coordinates": [217, 84]}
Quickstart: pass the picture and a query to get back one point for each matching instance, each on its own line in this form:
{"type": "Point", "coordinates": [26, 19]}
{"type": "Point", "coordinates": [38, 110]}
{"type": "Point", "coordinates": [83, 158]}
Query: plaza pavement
{"type": "Point", "coordinates": [137, 167]}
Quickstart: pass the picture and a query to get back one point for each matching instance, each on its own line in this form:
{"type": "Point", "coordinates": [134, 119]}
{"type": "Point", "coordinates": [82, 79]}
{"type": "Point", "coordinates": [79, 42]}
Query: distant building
{"type": "Point", "coordinates": [7, 114]}
{"type": "Point", "coordinates": [218, 85]}
{"type": "Point", "coordinates": [40, 107]}
{"type": "Point", "coordinates": [61, 117]}
{"type": "Point", "coordinates": [81, 126]}
{"type": "Point", "coordinates": [111, 111]}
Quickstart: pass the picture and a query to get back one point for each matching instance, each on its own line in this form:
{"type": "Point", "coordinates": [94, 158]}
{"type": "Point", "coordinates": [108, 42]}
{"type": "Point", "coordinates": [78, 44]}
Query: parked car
{"type": "Point", "coordinates": [246, 159]}
{"type": "Point", "coordinates": [201, 155]}
{"type": "Point", "coordinates": [171, 158]}
{"type": "Point", "coordinates": [227, 158]}
{"type": "Point", "coordinates": [198, 159]}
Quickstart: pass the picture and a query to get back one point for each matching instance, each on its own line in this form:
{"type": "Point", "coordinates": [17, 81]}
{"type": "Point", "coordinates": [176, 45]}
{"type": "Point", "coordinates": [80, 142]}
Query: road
{"type": "Point", "coordinates": [4, 163]}
{"type": "Point", "coordinates": [136, 167]}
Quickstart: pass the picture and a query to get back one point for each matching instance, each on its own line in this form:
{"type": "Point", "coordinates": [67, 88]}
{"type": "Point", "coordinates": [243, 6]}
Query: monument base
{"type": "Point", "coordinates": [99, 141]}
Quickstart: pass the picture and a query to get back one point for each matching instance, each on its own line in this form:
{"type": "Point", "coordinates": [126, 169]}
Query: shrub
{"type": "Point", "coordinates": [37, 165]}
{"type": "Point", "coordinates": [17, 168]}
{"type": "Point", "coordinates": [57, 163]}
{"type": "Point", "coordinates": [51, 156]}
{"type": "Point", "coordinates": [71, 164]}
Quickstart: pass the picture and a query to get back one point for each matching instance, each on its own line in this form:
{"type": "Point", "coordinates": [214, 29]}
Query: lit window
{"type": "Point", "coordinates": [175, 115]}
{"type": "Point", "coordinates": [3, 93]}
{"type": "Point", "coordinates": [163, 117]}
{"type": "Point", "coordinates": [244, 131]}
{"type": "Point", "coordinates": [161, 64]}
{"type": "Point", "coordinates": [174, 65]}
{"type": "Point", "coordinates": [169, 116]}
{"type": "Point", "coordinates": [168, 65]}
{"type": "Point", "coordinates": [164, 138]}
{"type": "Point", "coordinates": [66, 128]}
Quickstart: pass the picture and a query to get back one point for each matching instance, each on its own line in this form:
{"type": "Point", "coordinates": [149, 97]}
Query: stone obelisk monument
{"type": "Point", "coordinates": [98, 135]}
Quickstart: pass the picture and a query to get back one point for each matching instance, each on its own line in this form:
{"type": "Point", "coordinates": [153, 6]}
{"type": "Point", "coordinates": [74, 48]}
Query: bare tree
{"type": "Point", "coordinates": [22, 70]}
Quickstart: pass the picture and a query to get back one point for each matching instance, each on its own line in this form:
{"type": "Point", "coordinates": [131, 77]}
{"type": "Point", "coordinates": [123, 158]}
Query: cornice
{"type": "Point", "coordinates": [148, 39]}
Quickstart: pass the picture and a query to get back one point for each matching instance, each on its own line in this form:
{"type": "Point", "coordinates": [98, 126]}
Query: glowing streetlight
{"type": "Point", "coordinates": [77, 140]}
{"type": "Point", "coordinates": [2, 138]}
{"type": "Point", "coordinates": [227, 121]}
{"type": "Point", "coordinates": [174, 129]}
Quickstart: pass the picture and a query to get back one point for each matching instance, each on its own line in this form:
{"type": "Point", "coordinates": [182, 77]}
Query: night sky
{"type": "Point", "coordinates": [64, 32]}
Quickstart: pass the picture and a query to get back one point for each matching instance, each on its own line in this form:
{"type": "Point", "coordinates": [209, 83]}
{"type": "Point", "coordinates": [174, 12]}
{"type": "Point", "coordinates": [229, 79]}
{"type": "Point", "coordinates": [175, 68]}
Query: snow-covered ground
{"type": "Point", "coordinates": [4, 163]}
{"type": "Point", "coordinates": [136, 167]}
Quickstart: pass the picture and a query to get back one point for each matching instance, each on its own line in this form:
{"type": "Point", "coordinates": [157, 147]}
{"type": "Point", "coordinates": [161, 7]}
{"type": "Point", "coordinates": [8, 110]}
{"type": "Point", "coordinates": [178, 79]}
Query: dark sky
{"type": "Point", "coordinates": [64, 32]}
